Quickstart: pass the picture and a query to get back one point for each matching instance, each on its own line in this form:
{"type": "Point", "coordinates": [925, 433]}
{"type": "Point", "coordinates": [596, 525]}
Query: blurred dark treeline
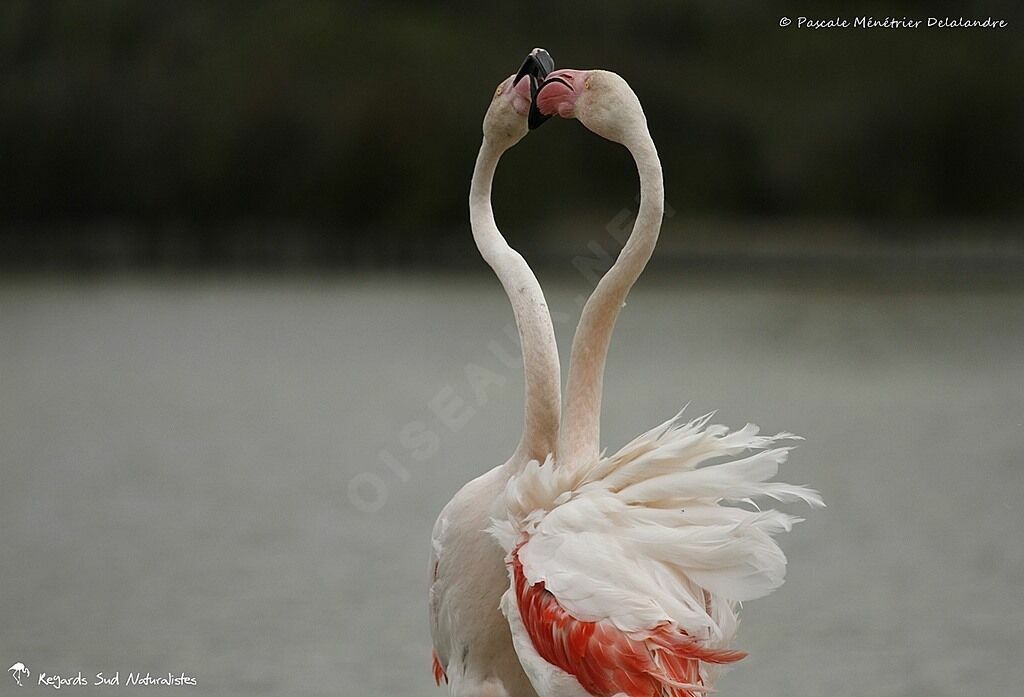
{"type": "Point", "coordinates": [198, 130]}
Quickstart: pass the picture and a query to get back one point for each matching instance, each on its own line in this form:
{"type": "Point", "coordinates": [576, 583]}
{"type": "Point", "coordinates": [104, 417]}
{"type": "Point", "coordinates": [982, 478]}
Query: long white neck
{"type": "Point", "coordinates": [581, 430]}
{"type": "Point", "coordinates": [533, 320]}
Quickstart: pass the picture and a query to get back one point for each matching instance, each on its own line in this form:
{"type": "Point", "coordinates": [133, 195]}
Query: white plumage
{"type": "Point", "coordinates": [636, 538]}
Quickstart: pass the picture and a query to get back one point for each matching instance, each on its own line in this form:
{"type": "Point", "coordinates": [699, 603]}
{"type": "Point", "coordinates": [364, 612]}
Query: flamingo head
{"type": "Point", "coordinates": [601, 100]}
{"type": "Point", "coordinates": [513, 110]}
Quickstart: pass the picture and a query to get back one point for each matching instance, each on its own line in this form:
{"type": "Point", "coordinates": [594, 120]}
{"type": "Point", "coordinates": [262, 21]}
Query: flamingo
{"type": "Point", "coordinates": [614, 575]}
{"type": "Point", "coordinates": [17, 670]}
{"type": "Point", "coordinates": [472, 641]}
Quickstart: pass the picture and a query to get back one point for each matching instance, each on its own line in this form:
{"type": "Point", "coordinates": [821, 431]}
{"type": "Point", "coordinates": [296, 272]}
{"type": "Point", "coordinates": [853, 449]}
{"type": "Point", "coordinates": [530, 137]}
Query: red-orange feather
{"type": "Point", "coordinates": [605, 660]}
{"type": "Point", "coordinates": [439, 673]}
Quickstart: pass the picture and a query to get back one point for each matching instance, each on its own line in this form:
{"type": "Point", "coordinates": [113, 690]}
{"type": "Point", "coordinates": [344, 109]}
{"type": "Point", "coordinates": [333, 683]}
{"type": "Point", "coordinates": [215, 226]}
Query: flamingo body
{"type": "Point", "coordinates": [473, 650]}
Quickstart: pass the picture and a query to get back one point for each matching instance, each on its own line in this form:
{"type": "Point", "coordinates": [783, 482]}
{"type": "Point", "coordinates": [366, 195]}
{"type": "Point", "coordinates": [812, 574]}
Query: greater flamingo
{"type": "Point", "coordinates": [617, 575]}
{"type": "Point", "coordinates": [472, 641]}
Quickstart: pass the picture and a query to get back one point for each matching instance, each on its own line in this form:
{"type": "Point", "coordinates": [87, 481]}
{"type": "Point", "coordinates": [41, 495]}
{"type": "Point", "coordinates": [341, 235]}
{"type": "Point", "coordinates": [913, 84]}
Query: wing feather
{"type": "Point", "coordinates": [628, 574]}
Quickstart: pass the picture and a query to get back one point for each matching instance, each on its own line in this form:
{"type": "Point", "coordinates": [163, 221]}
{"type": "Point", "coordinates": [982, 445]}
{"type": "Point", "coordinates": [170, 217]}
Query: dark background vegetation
{"type": "Point", "coordinates": [140, 133]}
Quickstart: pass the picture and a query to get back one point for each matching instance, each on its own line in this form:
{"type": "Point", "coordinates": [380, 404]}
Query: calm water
{"type": "Point", "coordinates": [176, 459]}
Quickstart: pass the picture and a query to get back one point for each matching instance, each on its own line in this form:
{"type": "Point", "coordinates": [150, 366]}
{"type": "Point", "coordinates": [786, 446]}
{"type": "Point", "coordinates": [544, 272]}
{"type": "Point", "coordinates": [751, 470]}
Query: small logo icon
{"type": "Point", "coordinates": [18, 670]}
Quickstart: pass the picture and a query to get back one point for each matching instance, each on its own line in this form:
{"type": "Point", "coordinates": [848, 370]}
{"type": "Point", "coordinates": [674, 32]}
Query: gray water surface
{"type": "Point", "coordinates": [177, 457]}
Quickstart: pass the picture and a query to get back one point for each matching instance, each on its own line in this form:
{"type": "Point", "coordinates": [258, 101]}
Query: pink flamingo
{"type": "Point", "coordinates": [617, 575]}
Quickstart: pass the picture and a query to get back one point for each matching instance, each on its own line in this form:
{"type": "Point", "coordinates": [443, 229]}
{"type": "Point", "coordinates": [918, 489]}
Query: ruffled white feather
{"type": "Point", "coordinates": [657, 533]}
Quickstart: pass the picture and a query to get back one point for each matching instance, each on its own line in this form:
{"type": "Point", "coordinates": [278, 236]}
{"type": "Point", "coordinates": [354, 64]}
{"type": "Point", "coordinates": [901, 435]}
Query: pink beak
{"type": "Point", "coordinates": [558, 93]}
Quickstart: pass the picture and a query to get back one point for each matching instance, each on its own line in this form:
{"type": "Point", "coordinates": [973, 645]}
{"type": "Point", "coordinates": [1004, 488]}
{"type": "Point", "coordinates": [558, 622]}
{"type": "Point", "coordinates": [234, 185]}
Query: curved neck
{"type": "Point", "coordinates": [581, 431]}
{"type": "Point", "coordinates": [533, 320]}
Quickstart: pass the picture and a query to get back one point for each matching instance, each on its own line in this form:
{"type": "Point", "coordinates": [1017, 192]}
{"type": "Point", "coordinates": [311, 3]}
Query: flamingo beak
{"type": "Point", "coordinates": [537, 66]}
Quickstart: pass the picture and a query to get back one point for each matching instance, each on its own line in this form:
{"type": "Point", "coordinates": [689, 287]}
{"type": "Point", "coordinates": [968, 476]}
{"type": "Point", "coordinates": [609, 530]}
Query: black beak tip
{"type": "Point", "coordinates": [544, 59]}
{"type": "Point", "coordinates": [537, 65]}
{"type": "Point", "coordinates": [536, 119]}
